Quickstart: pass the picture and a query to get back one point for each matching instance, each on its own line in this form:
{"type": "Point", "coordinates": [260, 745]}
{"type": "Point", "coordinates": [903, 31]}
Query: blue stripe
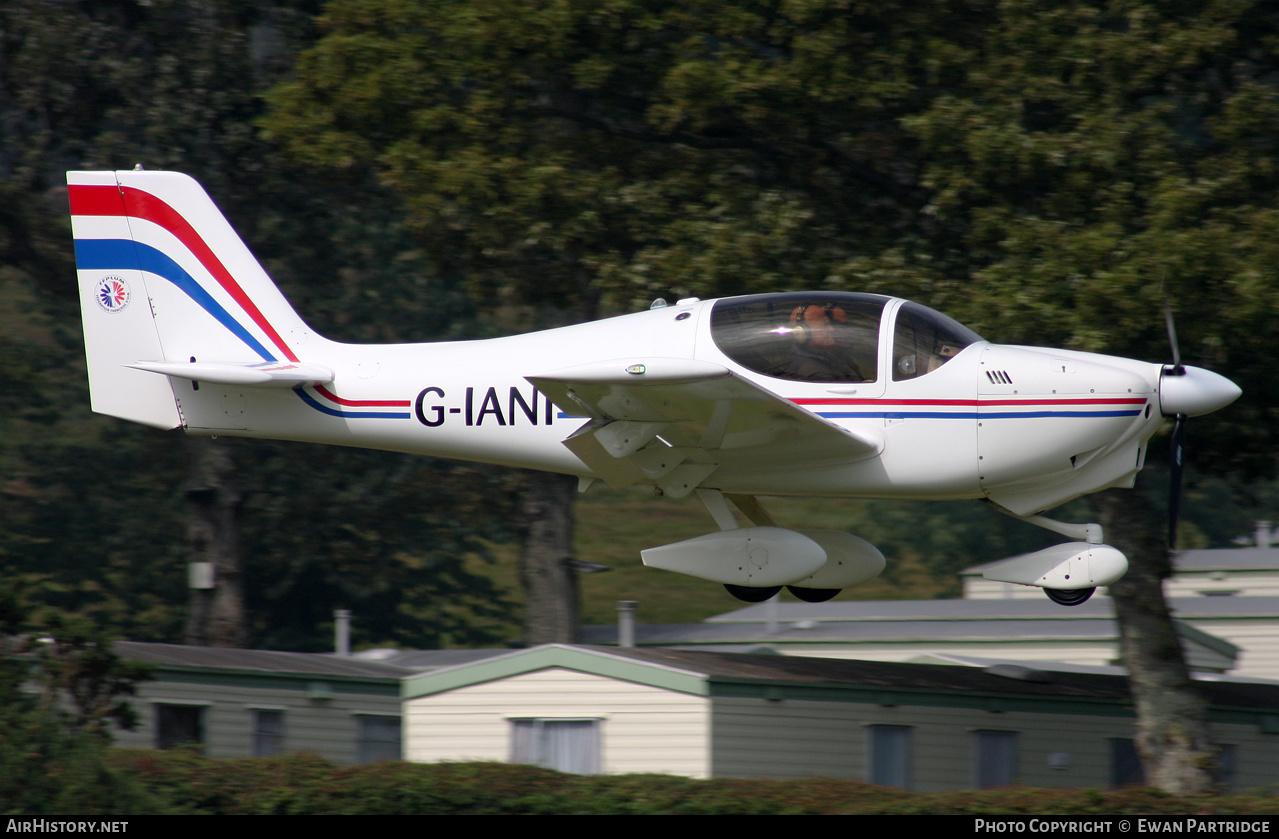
{"type": "Point", "coordinates": [123, 254]}
{"type": "Point", "coordinates": [1015, 415]}
{"type": "Point", "coordinates": [333, 412]}
{"type": "Point", "coordinates": [970, 415]}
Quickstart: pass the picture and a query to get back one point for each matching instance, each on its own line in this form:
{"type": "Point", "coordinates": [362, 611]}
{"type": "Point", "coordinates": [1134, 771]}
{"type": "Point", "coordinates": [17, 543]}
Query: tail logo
{"type": "Point", "coordinates": [112, 294]}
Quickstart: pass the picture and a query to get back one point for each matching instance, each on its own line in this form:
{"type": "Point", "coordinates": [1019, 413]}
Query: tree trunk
{"type": "Point", "coordinates": [216, 616]}
{"type": "Point", "coordinates": [546, 566]}
{"type": "Point", "coordinates": [1172, 725]}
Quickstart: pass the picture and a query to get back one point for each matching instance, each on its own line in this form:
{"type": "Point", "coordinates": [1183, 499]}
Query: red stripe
{"type": "Point", "coordinates": [105, 201]}
{"type": "Point", "coordinates": [111, 201]}
{"type": "Point", "coordinates": [146, 206]}
{"type": "Point", "coordinates": [362, 403]}
{"type": "Point", "coordinates": [973, 402]}
{"type": "Point", "coordinates": [96, 201]}
{"type": "Point", "coordinates": [1115, 401]}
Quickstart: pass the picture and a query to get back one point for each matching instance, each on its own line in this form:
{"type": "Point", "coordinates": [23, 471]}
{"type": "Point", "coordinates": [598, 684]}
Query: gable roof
{"type": "Point", "coordinates": [717, 674]}
{"type": "Point", "coordinates": [318, 674]}
{"type": "Point", "coordinates": [227, 659]}
{"type": "Point", "coordinates": [945, 622]}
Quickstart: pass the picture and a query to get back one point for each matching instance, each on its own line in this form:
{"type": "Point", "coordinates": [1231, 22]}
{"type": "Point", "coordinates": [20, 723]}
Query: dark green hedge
{"type": "Point", "coordinates": [186, 783]}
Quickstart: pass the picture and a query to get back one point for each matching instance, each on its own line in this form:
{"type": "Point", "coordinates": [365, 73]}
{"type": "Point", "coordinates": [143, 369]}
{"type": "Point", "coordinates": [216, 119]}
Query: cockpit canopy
{"type": "Point", "coordinates": [925, 339]}
{"type": "Point", "coordinates": [832, 336]}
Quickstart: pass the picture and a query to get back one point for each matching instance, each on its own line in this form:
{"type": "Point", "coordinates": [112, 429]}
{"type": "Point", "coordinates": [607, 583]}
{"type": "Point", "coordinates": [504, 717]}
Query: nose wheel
{"type": "Point", "coordinates": [1074, 597]}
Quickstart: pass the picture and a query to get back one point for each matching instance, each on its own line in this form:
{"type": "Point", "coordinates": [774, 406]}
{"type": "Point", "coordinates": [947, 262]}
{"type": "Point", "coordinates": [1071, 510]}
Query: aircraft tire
{"type": "Point", "coordinates": [1074, 597]}
{"type": "Point", "coordinates": [814, 595]}
{"type": "Point", "coordinates": [751, 594]}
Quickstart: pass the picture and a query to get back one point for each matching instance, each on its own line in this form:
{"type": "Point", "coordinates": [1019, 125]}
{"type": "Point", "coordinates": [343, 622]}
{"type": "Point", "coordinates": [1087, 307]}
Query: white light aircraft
{"type": "Point", "coordinates": [803, 394]}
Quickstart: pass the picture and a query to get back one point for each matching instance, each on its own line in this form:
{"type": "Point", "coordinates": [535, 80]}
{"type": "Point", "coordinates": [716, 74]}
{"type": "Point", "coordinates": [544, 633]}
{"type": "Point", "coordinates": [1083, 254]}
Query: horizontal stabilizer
{"type": "Point", "coordinates": [260, 374]}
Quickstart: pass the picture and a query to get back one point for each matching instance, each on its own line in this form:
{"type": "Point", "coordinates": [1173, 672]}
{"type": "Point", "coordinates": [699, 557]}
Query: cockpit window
{"type": "Point", "coordinates": [813, 337]}
{"type": "Point", "coordinates": [924, 340]}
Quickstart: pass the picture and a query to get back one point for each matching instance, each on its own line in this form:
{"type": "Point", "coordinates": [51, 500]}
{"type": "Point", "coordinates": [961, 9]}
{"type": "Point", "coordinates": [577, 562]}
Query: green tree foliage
{"type": "Point", "coordinates": [575, 158]}
{"type": "Point", "coordinates": [1090, 156]}
{"type": "Point", "coordinates": [60, 697]}
{"type": "Point", "coordinates": [557, 151]}
{"type": "Point", "coordinates": [1043, 170]}
{"type": "Point", "coordinates": [93, 512]}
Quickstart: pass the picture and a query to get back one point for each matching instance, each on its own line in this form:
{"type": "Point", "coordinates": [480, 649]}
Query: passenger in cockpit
{"type": "Point", "coordinates": [823, 345]}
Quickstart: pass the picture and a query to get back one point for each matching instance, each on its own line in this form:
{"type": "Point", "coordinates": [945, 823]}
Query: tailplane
{"type": "Point", "coordinates": [165, 282]}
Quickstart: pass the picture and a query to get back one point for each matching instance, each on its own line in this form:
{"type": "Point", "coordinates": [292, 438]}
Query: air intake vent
{"type": "Point", "coordinates": [999, 377]}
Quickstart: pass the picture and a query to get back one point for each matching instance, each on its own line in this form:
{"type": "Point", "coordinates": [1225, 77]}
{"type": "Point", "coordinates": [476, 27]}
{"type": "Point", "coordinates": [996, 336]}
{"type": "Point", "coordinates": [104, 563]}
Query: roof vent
{"type": "Point", "coordinates": [1263, 534]}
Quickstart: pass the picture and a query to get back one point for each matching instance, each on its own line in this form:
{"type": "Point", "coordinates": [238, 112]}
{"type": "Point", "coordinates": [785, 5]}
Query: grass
{"type": "Point", "coordinates": [613, 526]}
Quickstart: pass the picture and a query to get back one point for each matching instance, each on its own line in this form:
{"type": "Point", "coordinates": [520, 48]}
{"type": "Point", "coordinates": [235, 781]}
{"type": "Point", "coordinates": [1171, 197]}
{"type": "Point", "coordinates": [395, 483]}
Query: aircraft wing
{"type": "Point", "coordinates": [674, 421]}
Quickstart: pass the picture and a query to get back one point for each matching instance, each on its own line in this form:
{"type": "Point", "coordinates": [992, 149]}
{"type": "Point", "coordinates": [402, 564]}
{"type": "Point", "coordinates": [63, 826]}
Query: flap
{"type": "Point", "coordinates": [675, 421]}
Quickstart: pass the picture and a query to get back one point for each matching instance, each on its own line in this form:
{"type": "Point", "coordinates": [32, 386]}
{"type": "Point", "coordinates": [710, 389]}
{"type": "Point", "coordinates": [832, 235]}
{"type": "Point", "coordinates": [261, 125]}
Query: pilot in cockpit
{"type": "Point", "coordinates": [823, 345]}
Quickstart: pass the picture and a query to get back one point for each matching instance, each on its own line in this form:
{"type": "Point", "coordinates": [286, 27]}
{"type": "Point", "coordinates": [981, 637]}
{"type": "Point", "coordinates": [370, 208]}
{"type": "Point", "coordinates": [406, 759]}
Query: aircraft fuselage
{"type": "Point", "coordinates": [995, 420]}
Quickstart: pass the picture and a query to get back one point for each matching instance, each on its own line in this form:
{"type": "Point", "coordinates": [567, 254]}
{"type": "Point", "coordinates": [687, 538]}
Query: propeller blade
{"type": "Point", "coordinates": [1176, 461]}
{"type": "Point", "coordinates": [1172, 337]}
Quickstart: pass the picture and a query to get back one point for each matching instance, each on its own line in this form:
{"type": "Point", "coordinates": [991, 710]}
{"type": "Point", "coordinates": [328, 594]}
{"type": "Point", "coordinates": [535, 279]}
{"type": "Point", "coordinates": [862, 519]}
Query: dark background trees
{"type": "Point", "coordinates": [95, 511]}
{"type": "Point", "coordinates": [1045, 171]}
{"type": "Point", "coordinates": [1041, 171]}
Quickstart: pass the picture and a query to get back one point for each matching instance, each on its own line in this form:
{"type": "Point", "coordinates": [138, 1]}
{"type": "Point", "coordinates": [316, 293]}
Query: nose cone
{"type": "Point", "coordinates": [1195, 391]}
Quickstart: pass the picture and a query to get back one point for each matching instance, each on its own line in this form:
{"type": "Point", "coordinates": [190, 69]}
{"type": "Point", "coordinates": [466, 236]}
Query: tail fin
{"type": "Point", "coordinates": [164, 278]}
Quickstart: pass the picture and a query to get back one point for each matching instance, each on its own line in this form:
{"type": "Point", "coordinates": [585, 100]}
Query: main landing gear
{"type": "Point", "coordinates": [1064, 597]}
{"type": "Point", "coordinates": [1069, 573]}
{"type": "Point", "coordinates": [813, 595]}
{"type": "Point", "coordinates": [753, 563]}
{"type": "Point", "coordinates": [751, 594]}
